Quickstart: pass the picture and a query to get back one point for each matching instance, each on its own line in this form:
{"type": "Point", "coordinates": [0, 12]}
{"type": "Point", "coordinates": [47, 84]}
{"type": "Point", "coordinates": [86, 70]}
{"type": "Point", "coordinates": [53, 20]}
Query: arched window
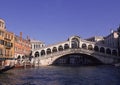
{"type": "Point", "coordinates": [114, 52]}
{"type": "Point", "coordinates": [54, 49]}
{"type": "Point", "coordinates": [66, 46]}
{"type": "Point", "coordinates": [48, 51]}
{"type": "Point", "coordinates": [60, 48]}
{"type": "Point", "coordinates": [108, 51]}
{"type": "Point", "coordinates": [42, 52]}
{"type": "Point", "coordinates": [84, 46]}
{"type": "Point", "coordinates": [37, 54]}
{"type": "Point", "coordinates": [96, 48]}
{"type": "Point", "coordinates": [1, 53]}
{"type": "Point", "coordinates": [90, 47]}
{"type": "Point", "coordinates": [75, 43]}
{"type": "Point", "coordinates": [102, 50]}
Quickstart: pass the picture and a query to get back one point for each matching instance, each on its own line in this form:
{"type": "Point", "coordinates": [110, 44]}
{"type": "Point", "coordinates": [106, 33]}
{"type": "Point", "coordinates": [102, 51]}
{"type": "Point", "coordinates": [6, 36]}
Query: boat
{"type": "Point", "coordinates": [6, 68]}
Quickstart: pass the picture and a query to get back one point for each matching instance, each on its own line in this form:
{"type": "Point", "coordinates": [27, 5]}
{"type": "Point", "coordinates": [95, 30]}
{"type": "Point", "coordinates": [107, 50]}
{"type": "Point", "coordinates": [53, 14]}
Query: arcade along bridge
{"type": "Point", "coordinates": [57, 53]}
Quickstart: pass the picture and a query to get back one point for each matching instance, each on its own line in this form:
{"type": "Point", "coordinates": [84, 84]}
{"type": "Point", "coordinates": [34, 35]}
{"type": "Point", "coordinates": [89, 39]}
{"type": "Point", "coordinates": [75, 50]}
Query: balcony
{"type": "Point", "coordinates": [8, 45]}
{"type": "Point", "coordinates": [7, 39]}
{"type": "Point", "coordinates": [1, 56]}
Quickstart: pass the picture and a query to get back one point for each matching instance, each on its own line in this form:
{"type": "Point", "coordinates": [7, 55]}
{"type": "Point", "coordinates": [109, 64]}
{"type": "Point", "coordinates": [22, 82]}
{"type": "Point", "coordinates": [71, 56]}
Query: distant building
{"type": "Point", "coordinates": [22, 47]}
{"type": "Point", "coordinates": [97, 39]}
{"type": "Point", "coordinates": [36, 44]}
{"type": "Point", "coordinates": [6, 44]}
{"type": "Point", "coordinates": [112, 39]}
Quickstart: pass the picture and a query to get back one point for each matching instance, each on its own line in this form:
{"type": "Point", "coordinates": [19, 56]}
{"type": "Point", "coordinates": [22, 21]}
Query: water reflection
{"type": "Point", "coordinates": [59, 75]}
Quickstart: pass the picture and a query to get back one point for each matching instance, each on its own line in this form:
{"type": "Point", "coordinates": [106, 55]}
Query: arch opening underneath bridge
{"type": "Point", "coordinates": [76, 59]}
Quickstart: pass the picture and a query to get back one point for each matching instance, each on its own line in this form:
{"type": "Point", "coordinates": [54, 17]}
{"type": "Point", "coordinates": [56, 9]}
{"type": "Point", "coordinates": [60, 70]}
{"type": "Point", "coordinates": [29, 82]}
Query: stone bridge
{"type": "Point", "coordinates": [75, 45]}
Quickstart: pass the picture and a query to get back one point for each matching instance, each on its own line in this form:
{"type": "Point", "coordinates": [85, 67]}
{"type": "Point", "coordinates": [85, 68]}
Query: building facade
{"type": "Point", "coordinates": [112, 39]}
{"type": "Point", "coordinates": [6, 45]}
{"type": "Point", "coordinates": [22, 47]}
{"type": "Point", "coordinates": [97, 39]}
{"type": "Point", "coordinates": [36, 44]}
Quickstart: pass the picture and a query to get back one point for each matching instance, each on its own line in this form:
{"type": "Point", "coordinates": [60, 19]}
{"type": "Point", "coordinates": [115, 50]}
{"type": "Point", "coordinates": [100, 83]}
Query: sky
{"type": "Point", "coordinates": [53, 21]}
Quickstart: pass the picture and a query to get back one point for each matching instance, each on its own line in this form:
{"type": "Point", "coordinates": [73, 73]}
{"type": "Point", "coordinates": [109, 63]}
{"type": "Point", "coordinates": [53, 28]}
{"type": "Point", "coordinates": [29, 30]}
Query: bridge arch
{"type": "Point", "coordinates": [108, 51]}
{"type": "Point", "coordinates": [76, 58]}
{"type": "Point", "coordinates": [96, 48]}
{"type": "Point", "coordinates": [84, 46]}
{"type": "Point", "coordinates": [48, 51]}
{"type": "Point", "coordinates": [66, 46]}
{"type": "Point", "coordinates": [54, 49]}
{"type": "Point", "coordinates": [75, 43]}
{"type": "Point", "coordinates": [102, 50]}
{"type": "Point", "coordinates": [60, 48]}
{"type": "Point", "coordinates": [42, 52]}
{"type": "Point", "coordinates": [90, 47]}
{"type": "Point", "coordinates": [37, 54]}
{"type": "Point", "coordinates": [114, 52]}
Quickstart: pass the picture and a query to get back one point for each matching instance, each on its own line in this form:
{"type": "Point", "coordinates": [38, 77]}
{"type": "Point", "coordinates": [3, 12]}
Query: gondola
{"type": "Point", "coordinates": [6, 68]}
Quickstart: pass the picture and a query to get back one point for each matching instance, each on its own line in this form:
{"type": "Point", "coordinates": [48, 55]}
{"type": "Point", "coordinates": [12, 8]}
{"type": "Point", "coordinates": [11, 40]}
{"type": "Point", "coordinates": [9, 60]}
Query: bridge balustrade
{"type": "Point", "coordinates": [76, 50]}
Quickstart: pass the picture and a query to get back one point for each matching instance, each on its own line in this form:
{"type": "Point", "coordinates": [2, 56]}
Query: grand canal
{"type": "Point", "coordinates": [63, 75]}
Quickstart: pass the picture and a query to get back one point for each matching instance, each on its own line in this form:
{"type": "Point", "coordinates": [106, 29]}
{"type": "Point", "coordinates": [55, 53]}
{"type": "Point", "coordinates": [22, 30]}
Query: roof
{"type": "Point", "coordinates": [33, 40]}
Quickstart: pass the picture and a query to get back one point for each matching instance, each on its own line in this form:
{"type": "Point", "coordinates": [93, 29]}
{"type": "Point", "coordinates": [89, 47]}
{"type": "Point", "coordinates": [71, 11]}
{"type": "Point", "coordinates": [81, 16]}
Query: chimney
{"type": "Point", "coordinates": [20, 35]}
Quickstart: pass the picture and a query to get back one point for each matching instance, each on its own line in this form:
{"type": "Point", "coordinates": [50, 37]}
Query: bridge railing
{"type": "Point", "coordinates": [99, 53]}
{"type": "Point", "coordinates": [56, 53]}
{"type": "Point", "coordinates": [78, 50]}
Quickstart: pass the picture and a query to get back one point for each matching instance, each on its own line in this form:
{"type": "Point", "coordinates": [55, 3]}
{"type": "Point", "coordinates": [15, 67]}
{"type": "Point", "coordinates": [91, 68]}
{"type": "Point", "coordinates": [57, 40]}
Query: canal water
{"type": "Point", "coordinates": [63, 75]}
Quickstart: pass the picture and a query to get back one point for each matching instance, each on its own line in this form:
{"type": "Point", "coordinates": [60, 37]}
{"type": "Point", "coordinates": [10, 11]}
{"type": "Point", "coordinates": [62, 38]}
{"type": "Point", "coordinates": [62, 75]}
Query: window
{"type": "Point", "coordinates": [9, 36]}
{"type": "Point", "coordinates": [0, 24]}
{"type": "Point", "coordinates": [0, 51]}
{"type": "Point", "coordinates": [1, 42]}
{"type": "Point", "coordinates": [11, 44]}
{"type": "Point", "coordinates": [1, 33]}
